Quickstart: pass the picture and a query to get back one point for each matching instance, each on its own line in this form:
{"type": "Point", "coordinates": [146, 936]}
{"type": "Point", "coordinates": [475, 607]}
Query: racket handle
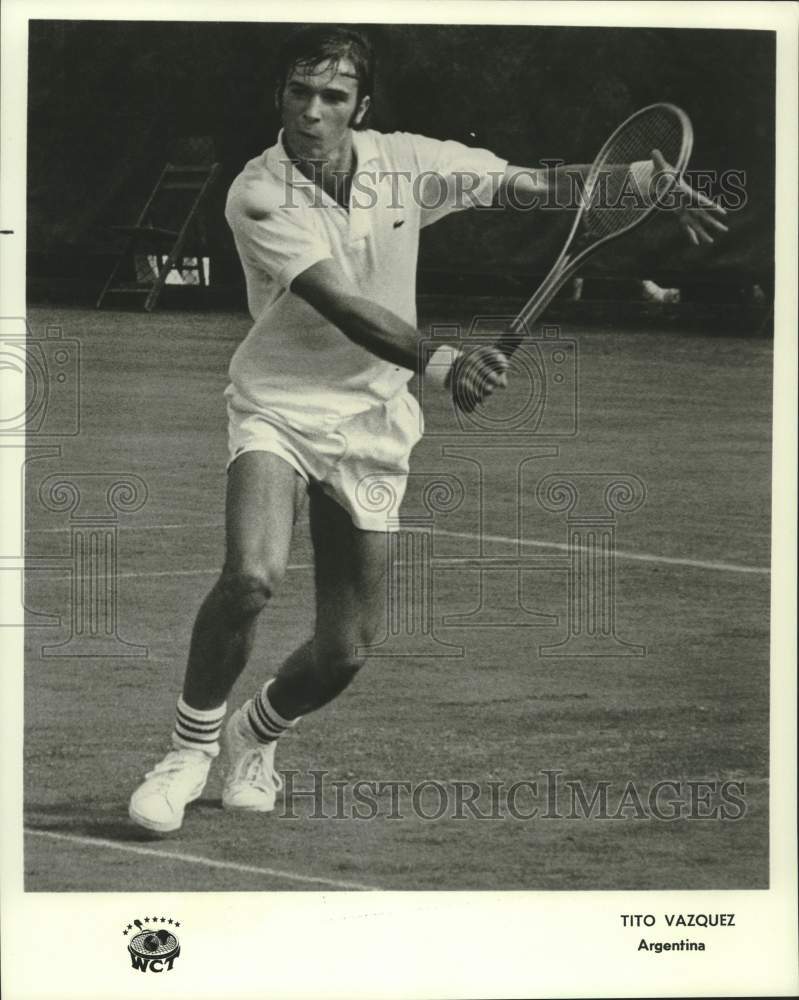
{"type": "Point", "coordinates": [519, 328]}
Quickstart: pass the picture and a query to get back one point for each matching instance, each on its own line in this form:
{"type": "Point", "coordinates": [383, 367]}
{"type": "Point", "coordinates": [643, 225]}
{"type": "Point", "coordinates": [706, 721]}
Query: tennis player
{"type": "Point", "coordinates": [326, 223]}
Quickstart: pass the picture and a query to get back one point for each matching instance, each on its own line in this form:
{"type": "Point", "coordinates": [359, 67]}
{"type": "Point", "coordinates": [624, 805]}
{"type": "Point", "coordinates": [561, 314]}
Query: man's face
{"type": "Point", "coordinates": [319, 106]}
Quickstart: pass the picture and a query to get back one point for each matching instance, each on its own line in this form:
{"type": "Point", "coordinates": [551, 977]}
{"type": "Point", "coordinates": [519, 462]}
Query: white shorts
{"type": "Point", "coordinates": [362, 462]}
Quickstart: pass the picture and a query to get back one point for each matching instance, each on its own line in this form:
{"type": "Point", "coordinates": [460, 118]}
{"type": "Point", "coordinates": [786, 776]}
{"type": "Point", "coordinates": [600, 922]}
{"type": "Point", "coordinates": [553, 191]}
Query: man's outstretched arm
{"type": "Point", "coordinates": [559, 186]}
{"type": "Point", "coordinates": [325, 287]}
{"type": "Point", "coordinates": [471, 376]}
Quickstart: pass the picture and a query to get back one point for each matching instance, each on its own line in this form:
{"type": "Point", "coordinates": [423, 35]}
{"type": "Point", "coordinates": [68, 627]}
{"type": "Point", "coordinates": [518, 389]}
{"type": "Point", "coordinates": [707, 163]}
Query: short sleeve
{"type": "Point", "coordinates": [454, 177]}
{"type": "Point", "coordinates": [279, 240]}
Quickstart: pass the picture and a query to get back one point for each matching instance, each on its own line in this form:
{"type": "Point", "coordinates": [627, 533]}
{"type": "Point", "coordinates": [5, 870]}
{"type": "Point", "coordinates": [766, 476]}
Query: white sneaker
{"type": "Point", "coordinates": [159, 802]}
{"type": "Point", "coordinates": [252, 781]}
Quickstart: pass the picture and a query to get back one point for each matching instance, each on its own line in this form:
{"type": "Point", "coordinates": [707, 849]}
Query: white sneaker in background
{"type": "Point", "coordinates": [251, 779]}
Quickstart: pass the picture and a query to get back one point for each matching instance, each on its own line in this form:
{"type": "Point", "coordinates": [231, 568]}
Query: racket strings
{"type": "Point", "coordinates": [621, 190]}
{"type": "Point", "coordinates": [623, 184]}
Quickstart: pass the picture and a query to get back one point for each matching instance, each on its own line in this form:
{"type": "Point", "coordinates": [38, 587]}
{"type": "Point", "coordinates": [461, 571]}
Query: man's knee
{"type": "Point", "coordinates": [337, 660]}
{"type": "Point", "coordinates": [335, 675]}
{"type": "Point", "coordinates": [349, 641]}
{"type": "Point", "coordinates": [246, 591]}
{"type": "Point", "coordinates": [366, 633]}
{"type": "Point", "coordinates": [344, 668]}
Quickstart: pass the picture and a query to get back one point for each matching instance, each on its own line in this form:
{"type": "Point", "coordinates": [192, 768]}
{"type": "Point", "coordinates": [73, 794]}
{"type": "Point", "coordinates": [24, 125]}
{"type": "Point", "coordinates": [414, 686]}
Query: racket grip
{"type": "Point", "coordinates": [510, 341]}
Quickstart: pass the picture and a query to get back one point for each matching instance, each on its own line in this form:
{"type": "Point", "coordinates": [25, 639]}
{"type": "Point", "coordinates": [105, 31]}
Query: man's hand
{"type": "Point", "coordinates": [474, 375]}
{"type": "Point", "coordinates": [697, 215]}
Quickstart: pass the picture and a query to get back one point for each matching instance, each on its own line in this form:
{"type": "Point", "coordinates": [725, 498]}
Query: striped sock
{"type": "Point", "coordinates": [198, 729]}
{"type": "Point", "coordinates": [264, 721]}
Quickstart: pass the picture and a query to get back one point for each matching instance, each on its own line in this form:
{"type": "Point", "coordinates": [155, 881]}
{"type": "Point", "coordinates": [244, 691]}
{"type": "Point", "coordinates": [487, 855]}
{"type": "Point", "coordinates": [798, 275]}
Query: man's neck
{"type": "Point", "coordinates": [333, 175]}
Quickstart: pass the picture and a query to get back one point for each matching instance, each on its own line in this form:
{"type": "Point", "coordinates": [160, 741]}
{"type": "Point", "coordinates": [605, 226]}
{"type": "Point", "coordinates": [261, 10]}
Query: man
{"type": "Point", "coordinates": [326, 224]}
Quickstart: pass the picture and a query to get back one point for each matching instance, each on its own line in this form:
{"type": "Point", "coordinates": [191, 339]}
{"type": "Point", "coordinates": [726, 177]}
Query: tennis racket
{"type": "Point", "coordinates": [620, 192]}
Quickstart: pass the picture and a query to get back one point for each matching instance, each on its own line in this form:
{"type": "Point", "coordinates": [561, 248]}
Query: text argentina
{"type": "Point", "coordinates": [659, 946]}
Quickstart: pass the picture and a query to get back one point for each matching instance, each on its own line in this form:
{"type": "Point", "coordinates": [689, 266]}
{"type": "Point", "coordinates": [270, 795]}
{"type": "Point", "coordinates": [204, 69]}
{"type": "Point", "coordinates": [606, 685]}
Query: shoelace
{"type": "Point", "coordinates": [257, 771]}
{"type": "Point", "coordinates": [165, 768]}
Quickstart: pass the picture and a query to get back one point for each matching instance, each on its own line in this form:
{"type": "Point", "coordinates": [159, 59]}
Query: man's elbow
{"type": "Point", "coordinates": [336, 305]}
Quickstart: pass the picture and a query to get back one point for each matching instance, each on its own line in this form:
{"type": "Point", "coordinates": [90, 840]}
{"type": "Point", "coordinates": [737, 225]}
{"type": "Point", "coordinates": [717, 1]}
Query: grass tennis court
{"type": "Point", "coordinates": [686, 411]}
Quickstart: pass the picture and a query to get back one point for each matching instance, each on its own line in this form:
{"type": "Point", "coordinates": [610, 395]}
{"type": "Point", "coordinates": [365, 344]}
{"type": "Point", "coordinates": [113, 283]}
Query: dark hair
{"type": "Point", "coordinates": [321, 43]}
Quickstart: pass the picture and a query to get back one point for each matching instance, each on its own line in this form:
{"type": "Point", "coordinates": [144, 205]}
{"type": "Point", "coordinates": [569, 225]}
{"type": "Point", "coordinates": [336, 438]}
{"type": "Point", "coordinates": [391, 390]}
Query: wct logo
{"type": "Point", "coordinates": [153, 950]}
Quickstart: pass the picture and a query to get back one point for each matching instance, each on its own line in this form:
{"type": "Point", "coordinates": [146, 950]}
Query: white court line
{"type": "Point", "coordinates": [132, 527]}
{"type": "Point", "coordinates": [618, 553]}
{"type": "Point", "coordinates": [722, 567]}
{"type": "Point", "coordinates": [193, 859]}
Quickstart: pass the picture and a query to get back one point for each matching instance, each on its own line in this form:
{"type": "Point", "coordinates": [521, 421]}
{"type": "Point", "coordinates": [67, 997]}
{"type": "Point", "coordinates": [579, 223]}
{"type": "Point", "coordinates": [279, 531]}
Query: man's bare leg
{"type": "Point", "coordinates": [263, 495]}
{"type": "Point", "coordinates": [349, 575]}
{"type": "Point", "coordinates": [350, 568]}
{"type": "Point", "coordinates": [262, 500]}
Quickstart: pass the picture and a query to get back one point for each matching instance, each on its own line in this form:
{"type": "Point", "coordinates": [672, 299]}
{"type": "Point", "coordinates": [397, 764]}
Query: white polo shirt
{"type": "Point", "coordinates": [294, 364]}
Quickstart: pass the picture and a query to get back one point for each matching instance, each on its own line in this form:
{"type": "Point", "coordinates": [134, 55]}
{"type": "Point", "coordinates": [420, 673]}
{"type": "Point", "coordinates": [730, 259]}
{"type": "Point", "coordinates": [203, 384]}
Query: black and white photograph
{"type": "Point", "coordinates": [398, 427]}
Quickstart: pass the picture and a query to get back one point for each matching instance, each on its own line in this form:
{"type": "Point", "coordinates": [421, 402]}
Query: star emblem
{"type": "Point", "coordinates": [125, 933]}
{"type": "Point", "coordinates": [177, 923]}
{"type": "Point", "coordinates": [170, 920]}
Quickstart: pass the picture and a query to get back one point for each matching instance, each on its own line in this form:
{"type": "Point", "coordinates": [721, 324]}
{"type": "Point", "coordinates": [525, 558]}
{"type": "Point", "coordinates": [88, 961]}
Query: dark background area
{"type": "Point", "coordinates": [111, 102]}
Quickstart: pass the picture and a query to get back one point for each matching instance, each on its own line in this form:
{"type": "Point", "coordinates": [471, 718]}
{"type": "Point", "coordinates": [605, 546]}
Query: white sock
{"type": "Point", "coordinates": [198, 729]}
{"type": "Point", "coordinates": [267, 724]}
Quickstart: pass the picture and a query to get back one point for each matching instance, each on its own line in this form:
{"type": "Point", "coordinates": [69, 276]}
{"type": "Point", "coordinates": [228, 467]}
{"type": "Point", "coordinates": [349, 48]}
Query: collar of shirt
{"type": "Point", "coordinates": [366, 151]}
